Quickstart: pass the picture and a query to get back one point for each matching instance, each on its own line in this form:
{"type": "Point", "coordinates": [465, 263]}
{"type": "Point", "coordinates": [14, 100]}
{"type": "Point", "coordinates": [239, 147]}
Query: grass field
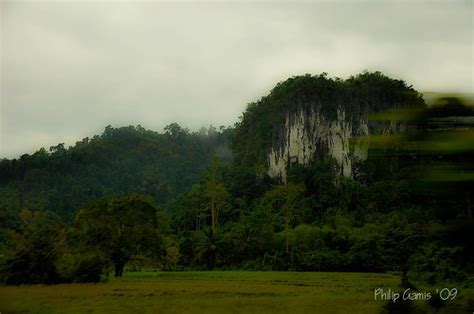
{"type": "Point", "coordinates": [207, 292]}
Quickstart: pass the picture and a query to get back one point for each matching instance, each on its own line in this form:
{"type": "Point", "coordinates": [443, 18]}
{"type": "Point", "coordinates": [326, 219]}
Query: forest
{"type": "Point", "coordinates": [134, 199]}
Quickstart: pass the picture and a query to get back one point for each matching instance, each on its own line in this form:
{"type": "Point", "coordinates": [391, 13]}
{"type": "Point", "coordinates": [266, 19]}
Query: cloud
{"type": "Point", "coordinates": [69, 68]}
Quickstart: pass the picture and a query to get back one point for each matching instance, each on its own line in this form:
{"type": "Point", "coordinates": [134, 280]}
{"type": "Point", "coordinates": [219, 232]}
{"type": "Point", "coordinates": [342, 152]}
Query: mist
{"type": "Point", "coordinates": [70, 69]}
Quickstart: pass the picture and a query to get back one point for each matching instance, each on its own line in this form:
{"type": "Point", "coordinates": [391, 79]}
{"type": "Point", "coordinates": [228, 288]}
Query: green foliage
{"type": "Point", "coordinates": [437, 263]}
{"type": "Point", "coordinates": [262, 121]}
{"type": "Point", "coordinates": [120, 228]}
{"type": "Point", "coordinates": [85, 266]}
{"type": "Point", "coordinates": [37, 250]}
{"type": "Point", "coordinates": [119, 162]}
{"type": "Point", "coordinates": [171, 258]}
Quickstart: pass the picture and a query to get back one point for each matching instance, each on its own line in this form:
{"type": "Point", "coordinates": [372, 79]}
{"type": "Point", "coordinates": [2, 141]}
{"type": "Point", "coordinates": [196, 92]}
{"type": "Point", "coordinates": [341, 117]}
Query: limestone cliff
{"type": "Point", "coordinates": [306, 133]}
{"type": "Point", "coordinates": [310, 134]}
{"type": "Point", "coordinates": [309, 117]}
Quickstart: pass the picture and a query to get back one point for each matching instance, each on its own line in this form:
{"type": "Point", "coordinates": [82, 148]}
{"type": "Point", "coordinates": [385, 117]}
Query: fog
{"type": "Point", "coordinates": [68, 69]}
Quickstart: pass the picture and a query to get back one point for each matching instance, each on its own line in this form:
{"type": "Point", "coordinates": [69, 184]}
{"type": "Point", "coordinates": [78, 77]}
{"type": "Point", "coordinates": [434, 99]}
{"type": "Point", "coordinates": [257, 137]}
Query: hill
{"type": "Point", "coordinates": [120, 161]}
{"type": "Point", "coordinates": [313, 116]}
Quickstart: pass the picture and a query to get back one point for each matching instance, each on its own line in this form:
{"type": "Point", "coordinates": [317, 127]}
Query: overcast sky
{"type": "Point", "coordinates": [68, 69]}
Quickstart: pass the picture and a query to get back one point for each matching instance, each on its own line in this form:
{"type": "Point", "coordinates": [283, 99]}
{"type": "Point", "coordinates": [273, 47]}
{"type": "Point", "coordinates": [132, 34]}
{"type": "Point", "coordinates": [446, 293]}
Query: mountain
{"type": "Point", "coordinates": [308, 117]}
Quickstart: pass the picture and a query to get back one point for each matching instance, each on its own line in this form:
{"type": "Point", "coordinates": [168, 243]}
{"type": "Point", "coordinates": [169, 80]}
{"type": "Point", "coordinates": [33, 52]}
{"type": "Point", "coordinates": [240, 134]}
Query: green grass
{"type": "Point", "coordinates": [206, 292]}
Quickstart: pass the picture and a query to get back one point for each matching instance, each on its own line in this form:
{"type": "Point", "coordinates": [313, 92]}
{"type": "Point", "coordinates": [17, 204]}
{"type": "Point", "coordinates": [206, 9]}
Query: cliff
{"type": "Point", "coordinates": [309, 117]}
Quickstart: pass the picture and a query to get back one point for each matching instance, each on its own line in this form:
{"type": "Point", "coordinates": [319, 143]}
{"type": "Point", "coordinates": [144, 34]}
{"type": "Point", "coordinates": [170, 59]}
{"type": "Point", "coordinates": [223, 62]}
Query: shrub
{"type": "Point", "coordinates": [85, 267]}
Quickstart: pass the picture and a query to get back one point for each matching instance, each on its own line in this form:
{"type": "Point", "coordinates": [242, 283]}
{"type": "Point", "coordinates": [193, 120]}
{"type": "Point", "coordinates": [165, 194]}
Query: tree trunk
{"type": "Point", "coordinates": [196, 219]}
{"type": "Point", "coordinates": [286, 227]}
{"type": "Point", "coordinates": [213, 217]}
{"type": "Point", "coordinates": [212, 194]}
{"type": "Point", "coordinates": [468, 205]}
{"type": "Point", "coordinates": [119, 264]}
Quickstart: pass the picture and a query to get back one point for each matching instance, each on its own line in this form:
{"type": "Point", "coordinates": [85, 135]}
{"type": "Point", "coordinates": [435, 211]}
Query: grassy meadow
{"type": "Point", "coordinates": [207, 292]}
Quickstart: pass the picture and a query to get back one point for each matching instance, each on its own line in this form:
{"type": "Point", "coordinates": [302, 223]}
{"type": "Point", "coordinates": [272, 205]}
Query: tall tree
{"type": "Point", "coordinates": [120, 227]}
{"type": "Point", "coordinates": [287, 196]}
{"type": "Point", "coordinates": [216, 193]}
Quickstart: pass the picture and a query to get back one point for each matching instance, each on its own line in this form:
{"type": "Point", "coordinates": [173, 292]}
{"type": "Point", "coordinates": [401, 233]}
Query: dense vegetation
{"type": "Point", "coordinates": [118, 162]}
{"type": "Point", "coordinates": [81, 211]}
{"type": "Point", "coordinates": [359, 95]}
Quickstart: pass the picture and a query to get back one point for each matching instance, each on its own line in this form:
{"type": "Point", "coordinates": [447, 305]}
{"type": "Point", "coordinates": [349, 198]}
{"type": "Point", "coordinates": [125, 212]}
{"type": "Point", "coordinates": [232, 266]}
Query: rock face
{"type": "Point", "coordinates": [303, 135]}
{"type": "Point", "coordinates": [312, 117]}
{"type": "Point", "coordinates": [308, 134]}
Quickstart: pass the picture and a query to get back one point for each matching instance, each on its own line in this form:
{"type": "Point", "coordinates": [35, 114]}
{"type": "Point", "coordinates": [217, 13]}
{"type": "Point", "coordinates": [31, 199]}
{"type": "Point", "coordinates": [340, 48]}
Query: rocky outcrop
{"type": "Point", "coordinates": [310, 117]}
{"type": "Point", "coordinates": [309, 134]}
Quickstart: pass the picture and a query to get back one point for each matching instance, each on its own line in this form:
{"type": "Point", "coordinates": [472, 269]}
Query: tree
{"type": "Point", "coordinates": [193, 208]}
{"type": "Point", "coordinates": [216, 193]}
{"type": "Point", "coordinates": [175, 131]}
{"type": "Point", "coordinates": [287, 196]}
{"type": "Point", "coordinates": [120, 227]}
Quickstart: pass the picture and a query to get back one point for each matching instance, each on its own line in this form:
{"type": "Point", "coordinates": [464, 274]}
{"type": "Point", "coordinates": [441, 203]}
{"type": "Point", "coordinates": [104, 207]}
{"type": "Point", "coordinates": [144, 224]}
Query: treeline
{"type": "Point", "coordinates": [316, 222]}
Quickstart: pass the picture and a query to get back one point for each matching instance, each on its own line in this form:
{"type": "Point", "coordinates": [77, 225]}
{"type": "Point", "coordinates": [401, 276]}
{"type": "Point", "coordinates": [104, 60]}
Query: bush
{"type": "Point", "coordinates": [435, 263]}
{"type": "Point", "coordinates": [86, 267]}
{"type": "Point", "coordinates": [34, 258]}
{"type": "Point", "coordinates": [89, 268]}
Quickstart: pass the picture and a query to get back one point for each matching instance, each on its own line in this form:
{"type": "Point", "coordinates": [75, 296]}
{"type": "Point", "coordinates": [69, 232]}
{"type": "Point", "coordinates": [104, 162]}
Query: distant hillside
{"type": "Point", "coordinates": [117, 162]}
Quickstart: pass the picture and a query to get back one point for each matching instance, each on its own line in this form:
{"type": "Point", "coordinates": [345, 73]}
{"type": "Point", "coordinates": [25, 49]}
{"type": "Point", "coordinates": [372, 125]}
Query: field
{"type": "Point", "coordinates": [207, 292]}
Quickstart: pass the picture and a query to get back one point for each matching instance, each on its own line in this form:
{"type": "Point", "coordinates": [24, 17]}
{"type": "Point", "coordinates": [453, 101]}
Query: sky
{"type": "Point", "coordinates": [68, 69]}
